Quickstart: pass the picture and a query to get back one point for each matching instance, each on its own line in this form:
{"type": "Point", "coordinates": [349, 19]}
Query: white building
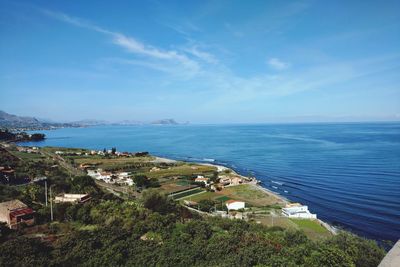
{"type": "Point", "coordinates": [235, 205]}
{"type": "Point", "coordinates": [94, 174]}
{"type": "Point", "coordinates": [202, 179]}
{"type": "Point", "coordinates": [129, 182]}
{"type": "Point", "coordinates": [72, 198]}
{"type": "Point", "coordinates": [298, 211]}
{"type": "Point", "coordinates": [123, 175]}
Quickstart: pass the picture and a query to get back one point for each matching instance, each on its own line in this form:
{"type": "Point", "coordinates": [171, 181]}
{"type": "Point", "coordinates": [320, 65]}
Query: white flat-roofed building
{"type": "Point", "coordinates": [129, 181]}
{"type": "Point", "coordinates": [94, 174]}
{"type": "Point", "coordinates": [298, 211]}
{"type": "Point", "coordinates": [235, 205]}
{"type": "Point", "coordinates": [72, 198]}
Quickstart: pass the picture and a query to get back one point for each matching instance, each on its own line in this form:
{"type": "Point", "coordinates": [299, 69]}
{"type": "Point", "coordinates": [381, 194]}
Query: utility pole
{"type": "Point", "coordinates": [45, 191]}
{"type": "Point", "coordinates": [51, 206]}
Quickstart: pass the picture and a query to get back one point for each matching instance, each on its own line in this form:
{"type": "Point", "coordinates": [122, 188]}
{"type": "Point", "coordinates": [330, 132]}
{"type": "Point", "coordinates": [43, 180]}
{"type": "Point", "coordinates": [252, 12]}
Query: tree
{"type": "Point", "coordinates": [153, 182]}
{"type": "Point", "coordinates": [113, 150]}
{"type": "Point", "coordinates": [83, 184]}
{"type": "Point", "coordinates": [329, 256]}
{"type": "Point", "coordinates": [141, 180]}
{"type": "Point", "coordinates": [206, 205]}
{"type": "Point", "coordinates": [157, 202]}
{"type": "Point", "coordinates": [37, 137]}
{"type": "Point", "coordinates": [4, 230]}
{"type": "Point", "coordinates": [24, 252]}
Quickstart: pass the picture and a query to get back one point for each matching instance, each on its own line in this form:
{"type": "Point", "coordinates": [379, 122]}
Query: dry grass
{"type": "Point", "coordinates": [269, 221]}
{"type": "Point", "coordinates": [251, 195]}
{"type": "Point", "coordinates": [171, 187]}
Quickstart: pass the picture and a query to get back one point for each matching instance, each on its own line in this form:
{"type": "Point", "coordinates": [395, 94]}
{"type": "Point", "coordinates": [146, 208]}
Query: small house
{"type": "Point", "coordinates": [202, 179]}
{"type": "Point", "coordinates": [235, 205]}
{"type": "Point", "coordinates": [15, 212]}
{"type": "Point", "coordinates": [72, 198]}
{"type": "Point", "coordinates": [297, 210]}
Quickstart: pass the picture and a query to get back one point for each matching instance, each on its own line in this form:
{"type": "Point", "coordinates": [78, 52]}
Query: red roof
{"type": "Point", "coordinates": [19, 212]}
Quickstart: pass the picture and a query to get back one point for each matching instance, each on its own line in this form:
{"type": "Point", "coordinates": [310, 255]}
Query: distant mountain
{"type": "Point", "coordinates": [28, 123]}
{"type": "Point", "coordinates": [165, 122]}
{"type": "Point", "coordinates": [90, 122]}
{"type": "Point", "coordinates": [6, 118]}
{"type": "Point", "coordinates": [129, 122]}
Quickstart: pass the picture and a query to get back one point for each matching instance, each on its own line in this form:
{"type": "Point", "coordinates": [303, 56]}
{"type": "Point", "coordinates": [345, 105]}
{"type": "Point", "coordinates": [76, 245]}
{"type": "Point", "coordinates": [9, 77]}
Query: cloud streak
{"type": "Point", "coordinates": [208, 75]}
{"type": "Point", "coordinates": [132, 45]}
{"type": "Point", "coordinates": [278, 64]}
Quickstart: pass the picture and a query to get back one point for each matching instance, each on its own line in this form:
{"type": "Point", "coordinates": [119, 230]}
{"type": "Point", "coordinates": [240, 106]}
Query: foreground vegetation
{"type": "Point", "coordinates": [153, 229]}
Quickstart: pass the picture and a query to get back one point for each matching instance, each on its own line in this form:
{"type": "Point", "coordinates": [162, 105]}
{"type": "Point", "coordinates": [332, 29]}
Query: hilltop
{"type": "Point", "coordinates": [15, 122]}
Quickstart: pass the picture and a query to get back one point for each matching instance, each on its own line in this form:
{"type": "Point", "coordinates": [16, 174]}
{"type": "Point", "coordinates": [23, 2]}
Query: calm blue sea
{"type": "Point", "coordinates": [349, 174]}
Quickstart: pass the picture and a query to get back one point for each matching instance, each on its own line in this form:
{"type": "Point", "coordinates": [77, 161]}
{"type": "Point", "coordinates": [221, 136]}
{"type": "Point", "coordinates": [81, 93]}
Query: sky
{"type": "Point", "coordinates": [201, 61]}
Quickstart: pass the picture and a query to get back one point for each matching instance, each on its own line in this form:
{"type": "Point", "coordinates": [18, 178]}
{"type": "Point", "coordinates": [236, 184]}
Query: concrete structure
{"type": "Point", "coordinates": [235, 205]}
{"type": "Point", "coordinates": [299, 211]}
{"type": "Point", "coordinates": [230, 180]}
{"type": "Point", "coordinates": [72, 198]}
{"type": "Point", "coordinates": [15, 212]}
{"type": "Point", "coordinates": [129, 181]}
{"type": "Point", "coordinates": [392, 259]}
{"type": "Point", "coordinates": [202, 179]}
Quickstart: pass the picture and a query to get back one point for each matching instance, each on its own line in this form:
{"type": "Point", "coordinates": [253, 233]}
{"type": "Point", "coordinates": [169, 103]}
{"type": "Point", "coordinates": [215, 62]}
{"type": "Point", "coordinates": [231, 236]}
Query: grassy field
{"type": "Point", "coordinates": [185, 169]}
{"type": "Point", "coordinates": [115, 163]}
{"type": "Point", "coordinates": [187, 193]}
{"type": "Point", "coordinates": [247, 193]}
{"type": "Point", "coordinates": [275, 221]}
{"type": "Point", "coordinates": [206, 195]}
{"type": "Point", "coordinates": [171, 186]}
{"type": "Point", "coordinates": [312, 228]}
{"type": "Point", "coordinates": [28, 156]}
{"type": "Point", "coordinates": [251, 195]}
{"type": "Point", "coordinates": [222, 198]}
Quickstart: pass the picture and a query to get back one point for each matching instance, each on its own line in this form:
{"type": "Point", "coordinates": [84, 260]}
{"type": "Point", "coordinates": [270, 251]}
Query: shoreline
{"type": "Point", "coordinates": [257, 185]}
{"type": "Point", "coordinates": [250, 181]}
{"type": "Point", "coordinates": [333, 230]}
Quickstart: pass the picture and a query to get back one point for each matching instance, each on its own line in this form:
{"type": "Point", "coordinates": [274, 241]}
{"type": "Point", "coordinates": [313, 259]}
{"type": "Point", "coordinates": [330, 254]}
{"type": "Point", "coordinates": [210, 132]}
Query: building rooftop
{"type": "Point", "coordinates": [13, 204]}
{"type": "Point", "coordinates": [291, 205]}
{"type": "Point", "coordinates": [232, 201]}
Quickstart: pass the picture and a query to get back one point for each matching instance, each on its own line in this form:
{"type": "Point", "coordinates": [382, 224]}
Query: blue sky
{"type": "Point", "coordinates": [201, 61]}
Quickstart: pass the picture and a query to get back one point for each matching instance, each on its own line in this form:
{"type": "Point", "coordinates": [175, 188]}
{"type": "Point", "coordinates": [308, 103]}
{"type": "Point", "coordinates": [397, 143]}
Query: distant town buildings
{"type": "Point", "coordinates": [33, 149]}
{"type": "Point", "coordinates": [15, 212]}
{"type": "Point", "coordinates": [296, 210]}
{"type": "Point", "coordinates": [111, 177]}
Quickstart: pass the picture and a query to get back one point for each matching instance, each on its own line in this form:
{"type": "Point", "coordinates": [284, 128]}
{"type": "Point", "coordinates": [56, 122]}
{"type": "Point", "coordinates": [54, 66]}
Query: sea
{"type": "Point", "coordinates": [347, 173]}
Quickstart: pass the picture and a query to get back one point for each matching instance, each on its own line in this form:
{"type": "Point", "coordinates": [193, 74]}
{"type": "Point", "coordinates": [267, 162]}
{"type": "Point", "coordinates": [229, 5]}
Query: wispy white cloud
{"type": "Point", "coordinates": [202, 55]}
{"type": "Point", "coordinates": [134, 46]}
{"type": "Point", "coordinates": [208, 75]}
{"type": "Point", "coordinates": [277, 64]}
